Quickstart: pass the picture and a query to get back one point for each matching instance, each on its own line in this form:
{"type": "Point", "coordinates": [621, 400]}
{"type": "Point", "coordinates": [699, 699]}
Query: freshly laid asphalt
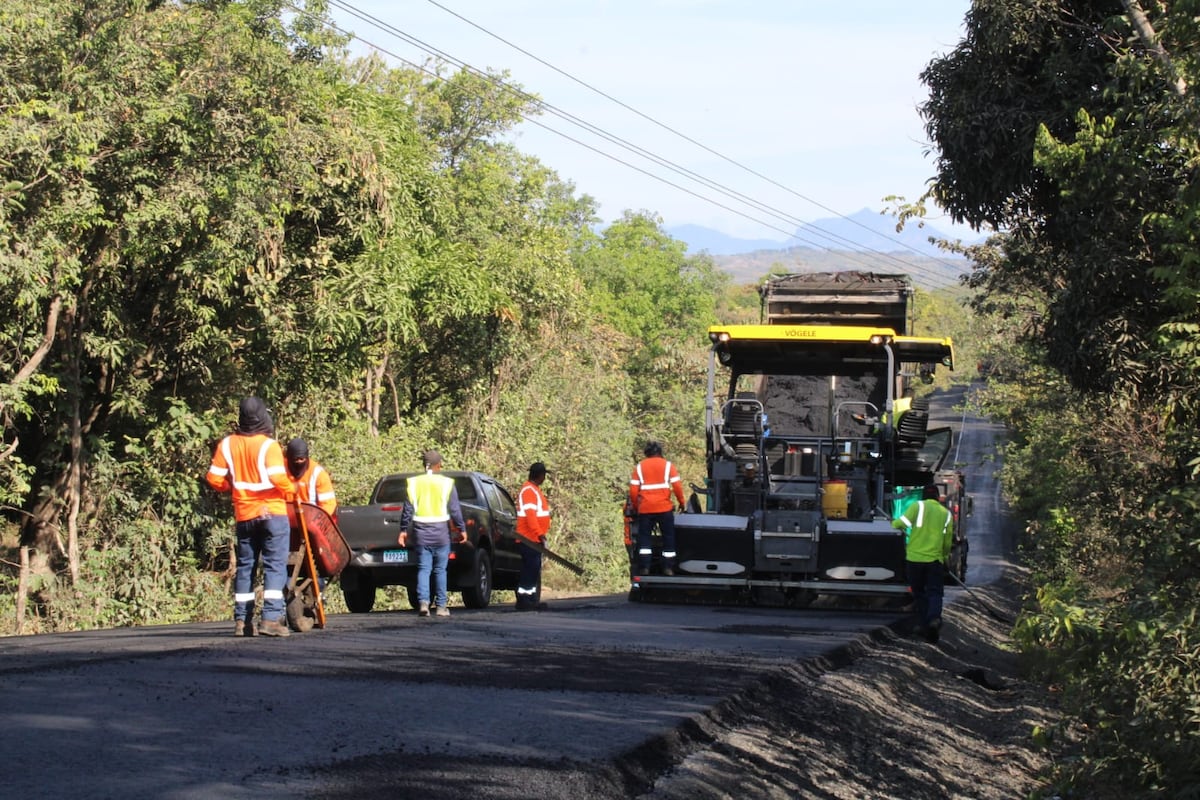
{"type": "Point", "coordinates": [462, 704]}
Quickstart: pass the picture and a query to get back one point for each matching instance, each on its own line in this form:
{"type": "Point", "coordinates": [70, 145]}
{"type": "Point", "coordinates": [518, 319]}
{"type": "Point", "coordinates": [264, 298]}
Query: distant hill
{"type": "Point", "coordinates": [863, 241]}
{"type": "Point", "coordinates": [925, 271]}
{"type": "Point", "coordinates": [863, 231]}
{"type": "Point", "coordinates": [707, 240]}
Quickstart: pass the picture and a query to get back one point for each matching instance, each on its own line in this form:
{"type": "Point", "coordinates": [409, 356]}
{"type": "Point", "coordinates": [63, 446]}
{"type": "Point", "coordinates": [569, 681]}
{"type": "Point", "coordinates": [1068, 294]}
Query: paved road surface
{"type": "Point", "coordinates": [487, 703]}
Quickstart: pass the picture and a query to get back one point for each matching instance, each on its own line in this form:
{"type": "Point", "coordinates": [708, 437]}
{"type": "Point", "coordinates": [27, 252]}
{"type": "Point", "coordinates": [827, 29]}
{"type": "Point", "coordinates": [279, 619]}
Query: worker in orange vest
{"type": "Point", "coordinates": [249, 465]}
{"type": "Point", "coordinates": [533, 523]}
{"type": "Point", "coordinates": [651, 486]}
{"type": "Point", "coordinates": [313, 484]}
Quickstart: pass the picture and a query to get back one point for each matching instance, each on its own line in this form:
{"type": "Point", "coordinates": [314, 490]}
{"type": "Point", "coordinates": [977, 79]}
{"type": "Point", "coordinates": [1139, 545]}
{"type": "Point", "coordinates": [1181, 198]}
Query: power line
{"type": "Point", "coordinates": [675, 132]}
{"type": "Point", "coordinates": [932, 277]}
{"type": "Point", "coordinates": [613, 139]}
{"type": "Point", "coordinates": [792, 234]}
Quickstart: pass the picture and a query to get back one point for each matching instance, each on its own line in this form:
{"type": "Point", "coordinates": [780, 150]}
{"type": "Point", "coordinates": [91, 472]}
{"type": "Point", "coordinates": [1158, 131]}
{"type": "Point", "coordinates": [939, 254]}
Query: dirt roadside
{"type": "Point", "coordinates": [894, 717]}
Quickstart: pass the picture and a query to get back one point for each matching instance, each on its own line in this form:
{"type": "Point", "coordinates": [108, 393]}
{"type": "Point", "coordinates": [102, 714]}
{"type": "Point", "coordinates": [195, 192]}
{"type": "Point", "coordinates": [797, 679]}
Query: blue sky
{"type": "Point", "coordinates": [820, 98]}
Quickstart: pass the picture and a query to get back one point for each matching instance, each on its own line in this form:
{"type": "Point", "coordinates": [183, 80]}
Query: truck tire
{"type": "Point", "coordinates": [479, 593]}
{"type": "Point", "coordinates": [359, 591]}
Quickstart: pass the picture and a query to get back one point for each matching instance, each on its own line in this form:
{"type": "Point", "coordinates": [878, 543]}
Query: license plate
{"type": "Point", "coordinates": [395, 556]}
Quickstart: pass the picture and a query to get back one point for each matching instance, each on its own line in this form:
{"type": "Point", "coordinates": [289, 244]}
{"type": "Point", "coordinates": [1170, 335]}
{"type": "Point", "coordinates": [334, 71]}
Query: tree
{"type": "Point", "coordinates": [641, 282]}
{"type": "Point", "coordinates": [1086, 160]}
{"type": "Point", "coordinates": [1066, 155]}
{"type": "Point", "coordinates": [497, 260]}
{"type": "Point", "coordinates": [171, 227]}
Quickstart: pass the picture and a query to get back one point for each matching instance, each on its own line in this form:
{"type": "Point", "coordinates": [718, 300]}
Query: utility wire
{"type": "Point", "coordinates": [649, 156]}
{"type": "Point", "coordinates": [675, 132]}
{"type": "Point", "coordinates": [934, 278]}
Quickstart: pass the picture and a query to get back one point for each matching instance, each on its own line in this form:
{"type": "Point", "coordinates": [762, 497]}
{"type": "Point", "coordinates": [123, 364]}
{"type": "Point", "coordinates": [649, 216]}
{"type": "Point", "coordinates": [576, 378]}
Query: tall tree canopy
{"type": "Point", "coordinates": [1071, 127]}
{"type": "Point", "coordinates": [200, 201]}
{"type": "Point", "coordinates": [176, 184]}
{"type": "Point", "coordinates": [1057, 124]}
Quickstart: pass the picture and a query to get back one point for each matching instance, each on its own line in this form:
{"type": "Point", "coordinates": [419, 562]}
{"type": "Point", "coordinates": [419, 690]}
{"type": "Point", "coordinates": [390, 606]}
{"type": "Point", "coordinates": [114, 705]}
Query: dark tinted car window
{"type": "Point", "coordinates": [499, 499]}
{"type": "Point", "coordinates": [466, 488]}
{"type": "Point", "coordinates": [505, 502]}
{"type": "Point", "coordinates": [392, 491]}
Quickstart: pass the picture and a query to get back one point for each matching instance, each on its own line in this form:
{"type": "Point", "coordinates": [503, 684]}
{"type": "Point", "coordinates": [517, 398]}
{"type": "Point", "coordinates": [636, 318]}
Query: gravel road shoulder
{"type": "Point", "coordinates": [902, 719]}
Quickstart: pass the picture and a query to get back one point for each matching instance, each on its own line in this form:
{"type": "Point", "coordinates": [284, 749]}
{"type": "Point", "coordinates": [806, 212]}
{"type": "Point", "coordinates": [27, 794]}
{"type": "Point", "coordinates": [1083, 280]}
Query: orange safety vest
{"type": "Point", "coordinates": [253, 470]}
{"type": "Point", "coordinates": [316, 487]}
{"type": "Point", "coordinates": [533, 512]}
{"type": "Point", "coordinates": [651, 485]}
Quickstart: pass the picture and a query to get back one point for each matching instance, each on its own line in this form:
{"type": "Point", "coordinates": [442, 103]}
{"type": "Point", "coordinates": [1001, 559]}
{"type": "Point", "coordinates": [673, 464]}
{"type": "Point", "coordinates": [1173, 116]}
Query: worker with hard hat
{"type": "Point", "coordinates": [651, 487]}
{"type": "Point", "coordinates": [533, 523]}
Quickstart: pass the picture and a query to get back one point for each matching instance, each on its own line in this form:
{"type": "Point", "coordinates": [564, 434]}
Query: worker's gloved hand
{"type": "Point", "coordinates": [682, 508]}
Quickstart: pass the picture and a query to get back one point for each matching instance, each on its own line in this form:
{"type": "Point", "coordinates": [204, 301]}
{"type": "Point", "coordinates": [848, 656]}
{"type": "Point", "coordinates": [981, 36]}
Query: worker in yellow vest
{"type": "Point", "coordinates": [929, 535]}
{"type": "Point", "coordinates": [430, 507]}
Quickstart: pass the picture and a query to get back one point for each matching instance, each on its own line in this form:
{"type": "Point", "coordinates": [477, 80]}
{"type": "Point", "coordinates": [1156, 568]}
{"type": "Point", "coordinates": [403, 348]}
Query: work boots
{"type": "Point", "coordinates": [442, 611]}
{"type": "Point", "coordinates": [274, 627]}
{"type": "Point", "coordinates": [423, 611]}
{"type": "Point", "coordinates": [243, 628]}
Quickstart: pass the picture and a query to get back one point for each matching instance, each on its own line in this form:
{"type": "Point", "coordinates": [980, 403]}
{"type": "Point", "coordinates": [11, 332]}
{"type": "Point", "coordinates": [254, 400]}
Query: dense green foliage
{"type": "Point", "coordinates": [200, 201]}
{"type": "Point", "coordinates": [1074, 131]}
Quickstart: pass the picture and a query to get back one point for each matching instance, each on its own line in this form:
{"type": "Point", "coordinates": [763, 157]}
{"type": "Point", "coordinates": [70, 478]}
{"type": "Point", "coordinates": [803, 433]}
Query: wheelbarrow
{"type": "Point", "coordinates": [318, 553]}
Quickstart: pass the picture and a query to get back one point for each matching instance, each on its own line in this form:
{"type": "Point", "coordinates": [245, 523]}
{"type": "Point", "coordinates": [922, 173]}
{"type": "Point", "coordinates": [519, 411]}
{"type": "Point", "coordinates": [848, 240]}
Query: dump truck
{"type": "Point", "coordinates": [814, 444]}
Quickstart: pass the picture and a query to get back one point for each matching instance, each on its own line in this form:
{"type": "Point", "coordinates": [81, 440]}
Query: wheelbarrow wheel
{"type": "Point", "coordinates": [299, 615]}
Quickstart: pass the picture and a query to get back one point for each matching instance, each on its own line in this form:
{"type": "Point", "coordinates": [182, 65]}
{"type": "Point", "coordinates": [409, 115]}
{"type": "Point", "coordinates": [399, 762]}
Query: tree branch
{"type": "Point", "coordinates": [1145, 32]}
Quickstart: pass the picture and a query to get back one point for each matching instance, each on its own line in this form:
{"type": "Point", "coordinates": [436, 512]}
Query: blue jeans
{"type": "Point", "coordinates": [269, 540]}
{"type": "Point", "coordinates": [432, 557]}
{"type": "Point", "coordinates": [927, 582]}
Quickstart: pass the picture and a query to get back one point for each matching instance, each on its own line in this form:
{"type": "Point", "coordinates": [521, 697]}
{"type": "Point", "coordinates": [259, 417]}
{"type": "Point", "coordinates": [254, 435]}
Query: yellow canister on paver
{"type": "Point", "coordinates": [834, 501]}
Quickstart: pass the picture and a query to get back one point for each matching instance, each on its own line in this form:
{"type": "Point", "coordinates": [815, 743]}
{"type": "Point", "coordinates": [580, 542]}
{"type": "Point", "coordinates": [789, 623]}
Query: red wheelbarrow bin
{"type": "Point", "coordinates": [317, 551]}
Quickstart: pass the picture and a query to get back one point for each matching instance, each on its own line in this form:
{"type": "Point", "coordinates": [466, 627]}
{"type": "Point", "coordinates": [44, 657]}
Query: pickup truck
{"type": "Point", "coordinates": [486, 561]}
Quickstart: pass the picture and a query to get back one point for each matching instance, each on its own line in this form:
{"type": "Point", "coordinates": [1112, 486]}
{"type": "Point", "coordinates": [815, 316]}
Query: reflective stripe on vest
{"type": "Point", "coordinates": [921, 517]}
{"type": "Point", "coordinates": [666, 484]}
{"type": "Point", "coordinates": [313, 497]}
{"type": "Point", "coordinates": [430, 496]}
{"type": "Point", "coordinates": [536, 507]}
{"type": "Point", "coordinates": [264, 473]}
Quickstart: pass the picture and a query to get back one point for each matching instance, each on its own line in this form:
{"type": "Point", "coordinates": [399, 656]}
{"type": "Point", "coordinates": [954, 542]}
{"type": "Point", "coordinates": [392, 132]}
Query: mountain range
{"type": "Point", "coordinates": [864, 240]}
{"type": "Point", "coordinates": [862, 231]}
